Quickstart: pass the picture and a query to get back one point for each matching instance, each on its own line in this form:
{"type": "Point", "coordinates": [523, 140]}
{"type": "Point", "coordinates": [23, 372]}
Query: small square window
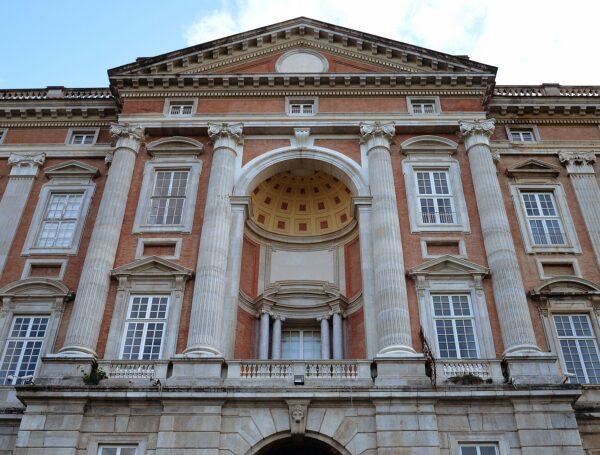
{"type": "Point", "coordinates": [479, 449]}
{"type": "Point", "coordinates": [82, 137]}
{"type": "Point", "coordinates": [301, 107]}
{"type": "Point", "coordinates": [111, 449]}
{"type": "Point", "coordinates": [424, 106]}
{"type": "Point", "coordinates": [181, 108]}
{"type": "Point", "coordinates": [522, 134]}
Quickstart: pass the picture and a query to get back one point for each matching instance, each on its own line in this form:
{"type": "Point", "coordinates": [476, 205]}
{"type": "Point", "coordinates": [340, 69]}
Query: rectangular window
{"type": "Point", "coordinates": [435, 197]}
{"type": "Point", "coordinates": [145, 327]}
{"type": "Point", "coordinates": [181, 108]}
{"type": "Point", "coordinates": [522, 135]}
{"type": "Point", "coordinates": [301, 107]}
{"type": "Point", "coordinates": [301, 344]}
{"type": "Point", "coordinates": [478, 449]}
{"type": "Point", "coordinates": [543, 219]}
{"type": "Point", "coordinates": [60, 220]}
{"type": "Point", "coordinates": [168, 197]}
{"type": "Point", "coordinates": [2, 133]}
{"type": "Point", "coordinates": [83, 137]}
{"type": "Point", "coordinates": [109, 449]}
{"type": "Point", "coordinates": [23, 348]}
{"type": "Point", "coordinates": [454, 326]}
{"type": "Point", "coordinates": [423, 106]}
{"type": "Point", "coordinates": [579, 347]}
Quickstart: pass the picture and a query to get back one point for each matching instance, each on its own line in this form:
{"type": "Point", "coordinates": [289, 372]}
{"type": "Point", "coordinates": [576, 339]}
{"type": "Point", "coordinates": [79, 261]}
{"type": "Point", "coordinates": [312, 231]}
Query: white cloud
{"type": "Point", "coordinates": [531, 42]}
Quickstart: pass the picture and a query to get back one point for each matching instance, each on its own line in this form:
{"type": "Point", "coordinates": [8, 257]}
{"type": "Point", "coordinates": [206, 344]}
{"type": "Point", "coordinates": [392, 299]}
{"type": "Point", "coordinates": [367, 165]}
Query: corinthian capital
{"type": "Point", "coordinates": [25, 165]}
{"type": "Point", "coordinates": [577, 158]}
{"type": "Point", "coordinates": [228, 131]}
{"type": "Point", "coordinates": [126, 131]}
{"type": "Point", "coordinates": [370, 130]}
{"type": "Point", "coordinates": [472, 127]}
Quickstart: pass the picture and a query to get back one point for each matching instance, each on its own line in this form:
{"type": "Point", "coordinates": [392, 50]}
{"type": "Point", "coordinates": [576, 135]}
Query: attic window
{"type": "Point", "coordinates": [82, 137]}
{"type": "Point", "coordinates": [301, 106]}
{"type": "Point", "coordinates": [181, 108]}
{"type": "Point", "coordinates": [424, 106]}
{"type": "Point", "coordinates": [522, 134]}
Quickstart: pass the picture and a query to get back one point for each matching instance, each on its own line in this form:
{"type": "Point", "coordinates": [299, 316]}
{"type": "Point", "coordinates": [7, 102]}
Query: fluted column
{"type": "Point", "coordinates": [263, 341]}
{"type": "Point", "coordinates": [88, 309]}
{"type": "Point", "coordinates": [338, 350]}
{"type": "Point", "coordinates": [24, 169]}
{"type": "Point", "coordinates": [393, 325]}
{"type": "Point", "coordinates": [509, 293]}
{"type": "Point", "coordinates": [205, 337]}
{"type": "Point", "coordinates": [580, 167]}
{"type": "Point", "coordinates": [276, 338]}
{"type": "Point", "coordinates": [325, 342]}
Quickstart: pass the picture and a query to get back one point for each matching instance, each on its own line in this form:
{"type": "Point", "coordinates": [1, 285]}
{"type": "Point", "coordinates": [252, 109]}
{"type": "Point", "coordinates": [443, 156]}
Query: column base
{"type": "Point", "coordinates": [537, 368]}
{"type": "Point", "coordinates": [401, 371]}
{"type": "Point", "coordinates": [197, 371]}
{"type": "Point", "coordinates": [64, 370]}
{"type": "Point", "coordinates": [75, 351]}
{"type": "Point", "coordinates": [202, 351]}
{"type": "Point", "coordinates": [398, 350]}
{"type": "Point", "coordinates": [523, 350]}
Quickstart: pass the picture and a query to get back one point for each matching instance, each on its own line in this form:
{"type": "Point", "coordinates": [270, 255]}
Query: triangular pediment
{"type": "Point", "coordinates": [448, 266]}
{"type": "Point", "coordinates": [73, 169]}
{"type": "Point", "coordinates": [151, 266]}
{"type": "Point", "coordinates": [346, 51]}
{"type": "Point", "coordinates": [533, 168]}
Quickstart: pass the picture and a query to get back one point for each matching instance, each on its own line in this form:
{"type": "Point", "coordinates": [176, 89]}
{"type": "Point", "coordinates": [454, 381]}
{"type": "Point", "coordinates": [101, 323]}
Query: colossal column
{"type": "Point", "coordinates": [24, 169]}
{"type": "Point", "coordinates": [583, 178]}
{"type": "Point", "coordinates": [205, 337]}
{"type": "Point", "coordinates": [509, 293]}
{"type": "Point", "coordinates": [84, 326]}
{"type": "Point", "coordinates": [393, 324]}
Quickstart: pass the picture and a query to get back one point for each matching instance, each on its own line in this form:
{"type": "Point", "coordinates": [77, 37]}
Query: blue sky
{"type": "Point", "coordinates": [73, 43]}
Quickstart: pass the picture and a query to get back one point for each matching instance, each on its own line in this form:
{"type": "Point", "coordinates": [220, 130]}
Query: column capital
{"type": "Point", "coordinates": [225, 134]}
{"type": "Point", "coordinates": [127, 136]}
{"type": "Point", "coordinates": [26, 165]}
{"type": "Point", "coordinates": [578, 162]}
{"type": "Point", "coordinates": [377, 134]}
{"type": "Point", "coordinates": [472, 127]}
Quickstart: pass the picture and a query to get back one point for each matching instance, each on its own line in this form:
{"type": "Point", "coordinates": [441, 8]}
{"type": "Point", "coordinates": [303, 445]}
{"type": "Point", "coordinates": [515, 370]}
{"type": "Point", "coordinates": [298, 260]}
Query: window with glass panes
{"type": "Point", "coordinates": [301, 344]}
{"type": "Point", "coordinates": [302, 107]}
{"type": "Point", "coordinates": [454, 326]}
{"type": "Point", "coordinates": [145, 327]}
{"type": "Point", "coordinates": [579, 347]}
{"type": "Point", "coordinates": [542, 218]}
{"type": "Point", "coordinates": [60, 220]}
{"type": "Point", "coordinates": [168, 197]}
{"type": "Point", "coordinates": [522, 135]}
{"type": "Point", "coordinates": [423, 106]}
{"type": "Point", "coordinates": [435, 197]}
{"type": "Point", "coordinates": [110, 449]}
{"type": "Point", "coordinates": [23, 348]}
{"type": "Point", "coordinates": [478, 449]}
{"type": "Point", "coordinates": [182, 109]}
{"type": "Point", "coordinates": [83, 137]}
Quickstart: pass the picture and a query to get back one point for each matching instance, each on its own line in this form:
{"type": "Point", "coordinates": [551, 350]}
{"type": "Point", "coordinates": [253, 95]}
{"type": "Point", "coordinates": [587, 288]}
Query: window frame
{"type": "Point", "coordinates": [97, 440]}
{"type": "Point", "coordinates": [74, 131]}
{"type": "Point", "coordinates": [30, 246]}
{"type": "Point", "coordinates": [302, 330]}
{"type": "Point", "coordinates": [52, 262]}
{"type": "Point", "coordinates": [415, 163]}
{"type": "Point", "coordinates": [411, 100]}
{"type": "Point", "coordinates": [434, 196]}
{"type": "Point", "coordinates": [533, 128]}
{"type": "Point", "coordinates": [290, 100]}
{"type": "Point", "coordinates": [453, 318]}
{"type": "Point", "coordinates": [497, 438]}
{"type": "Point", "coordinates": [171, 101]}
{"type": "Point", "coordinates": [129, 320]}
{"type": "Point", "coordinates": [3, 133]}
{"type": "Point", "coordinates": [572, 242]}
{"type": "Point", "coordinates": [193, 166]}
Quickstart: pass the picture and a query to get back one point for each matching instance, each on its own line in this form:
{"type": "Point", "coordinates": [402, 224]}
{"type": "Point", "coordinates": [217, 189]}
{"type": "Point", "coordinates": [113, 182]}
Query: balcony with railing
{"type": "Point", "coordinates": [468, 371]}
{"type": "Point", "coordinates": [134, 369]}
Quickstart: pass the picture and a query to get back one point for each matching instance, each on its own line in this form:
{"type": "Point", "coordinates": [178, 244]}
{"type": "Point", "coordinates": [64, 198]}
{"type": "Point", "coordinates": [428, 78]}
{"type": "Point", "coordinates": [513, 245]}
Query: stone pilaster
{"type": "Point", "coordinates": [88, 309]}
{"type": "Point", "coordinates": [393, 326]}
{"type": "Point", "coordinates": [325, 342]}
{"type": "Point", "coordinates": [580, 167]}
{"type": "Point", "coordinates": [24, 169]}
{"type": "Point", "coordinates": [205, 338]}
{"type": "Point", "coordinates": [509, 293]}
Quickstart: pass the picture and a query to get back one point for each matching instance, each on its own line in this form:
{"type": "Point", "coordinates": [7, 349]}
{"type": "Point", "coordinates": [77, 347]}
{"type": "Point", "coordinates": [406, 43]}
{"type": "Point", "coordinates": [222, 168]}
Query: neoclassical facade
{"type": "Point", "coordinates": [300, 239]}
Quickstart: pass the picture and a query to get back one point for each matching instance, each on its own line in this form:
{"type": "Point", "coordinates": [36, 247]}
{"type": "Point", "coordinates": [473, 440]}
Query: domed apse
{"type": "Point", "coordinates": [302, 202]}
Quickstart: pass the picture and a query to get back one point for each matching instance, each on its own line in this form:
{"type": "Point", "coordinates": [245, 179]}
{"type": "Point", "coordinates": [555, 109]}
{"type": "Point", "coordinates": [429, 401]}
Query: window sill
{"type": "Point", "coordinates": [162, 228]}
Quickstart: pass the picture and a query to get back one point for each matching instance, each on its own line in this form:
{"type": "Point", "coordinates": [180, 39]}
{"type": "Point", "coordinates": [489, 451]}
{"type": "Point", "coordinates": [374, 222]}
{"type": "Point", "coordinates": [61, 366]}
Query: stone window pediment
{"type": "Point", "coordinates": [533, 169]}
{"type": "Point", "coordinates": [449, 267]}
{"type": "Point", "coordinates": [564, 287]}
{"type": "Point", "coordinates": [428, 144]}
{"type": "Point", "coordinates": [35, 288]}
{"type": "Point", "coordinates": [72, 169]}
{"type": "Point", "coordinates": [175, 146]}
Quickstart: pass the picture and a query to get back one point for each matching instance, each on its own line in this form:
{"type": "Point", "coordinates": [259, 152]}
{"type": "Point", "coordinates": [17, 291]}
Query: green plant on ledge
{"type": "Point", "coordinates": [96, 375]}
{"type": "Point", "coordinates": [467, 379]}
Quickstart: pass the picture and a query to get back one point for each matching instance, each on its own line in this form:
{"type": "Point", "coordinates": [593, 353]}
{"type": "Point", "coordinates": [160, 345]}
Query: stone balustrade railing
{"type": "Point", "coordinates": [286, 369]}
{"type": "Point", "coordinates": [454, 370]}
{"type": "Point", "coordinates": [134, 369]}
{"type": "Point", "coordinates": [533, 91]}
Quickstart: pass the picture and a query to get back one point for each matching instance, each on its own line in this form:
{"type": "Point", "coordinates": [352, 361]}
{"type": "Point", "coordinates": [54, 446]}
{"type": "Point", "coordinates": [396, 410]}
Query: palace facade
{"type": "Point", "coordinates": [300, 239]}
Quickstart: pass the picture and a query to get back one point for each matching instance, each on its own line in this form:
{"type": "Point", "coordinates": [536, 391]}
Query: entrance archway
{"type": "Point", "coordinates": [310, 444]}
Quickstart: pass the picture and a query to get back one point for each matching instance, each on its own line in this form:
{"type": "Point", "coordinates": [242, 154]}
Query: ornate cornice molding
{"type": "Point", "coordinates": [469, 128]}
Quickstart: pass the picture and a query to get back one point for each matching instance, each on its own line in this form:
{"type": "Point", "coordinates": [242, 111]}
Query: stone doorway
{"type": "Point", "coordinates": [304, 446]}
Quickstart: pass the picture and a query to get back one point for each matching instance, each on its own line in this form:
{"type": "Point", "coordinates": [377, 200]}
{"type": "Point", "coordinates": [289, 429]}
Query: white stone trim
{"type": "Point", "coordinates": [416, 162]}
{"type": "Point", "coordinates": [53, 187]}
{"type": "Point", "coordinates": [51, 262]}
{"type": "Point", "coordinates": [143, 241]}
{"type": "Point", "coordinates": [94, 131]}
{"type": "Point", "coordinates": [3, 133]}
{"type": "Point", "coordinates": [194, 166]}
{"type": "Point", "coordinates": [540, 261]}
{"type": "Point", "coordinates": [442, 240]}
{"type": "Point", "coordinates": [483, 437]}
{"type": "Point", "coordinates": [290, 99]}
{"type": "Point", "coordinates": [516, 126]}
{"type": "Point", "coordinates": [557, 190]}
{"type": "Point", "coordinates": [435, 99]}
{"type": "Point", "coordinates": [98, 439]}
{"type": "Point", "coordinates": [301, 51]}
{"type": "Point", "coordinates": [169, 101]}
